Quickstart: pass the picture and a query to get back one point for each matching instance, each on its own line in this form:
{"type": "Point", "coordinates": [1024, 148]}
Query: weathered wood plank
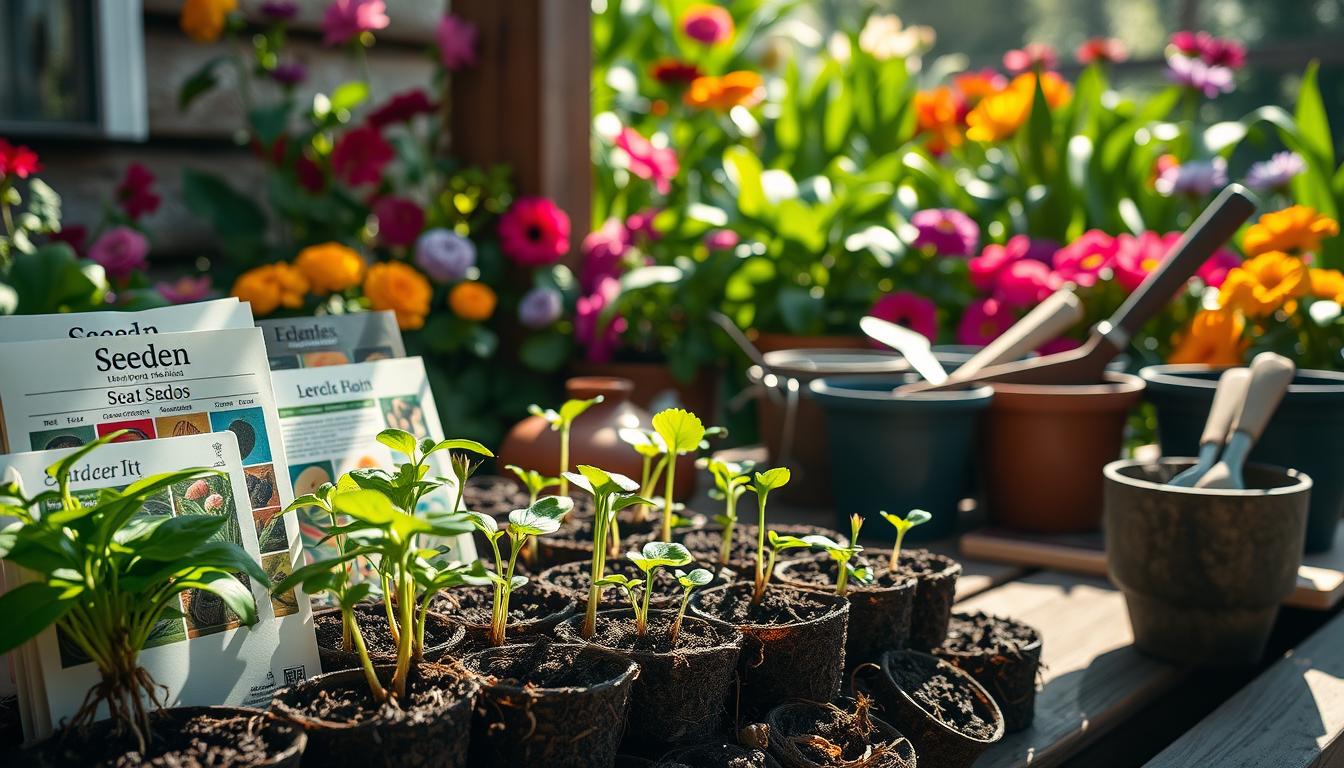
{"type": "Point", "coordinates": [410, 21]}
{"type": "Point", "coordinates": [1291, 716]}
{"type": "Point", "coordinates": [1092, 676]}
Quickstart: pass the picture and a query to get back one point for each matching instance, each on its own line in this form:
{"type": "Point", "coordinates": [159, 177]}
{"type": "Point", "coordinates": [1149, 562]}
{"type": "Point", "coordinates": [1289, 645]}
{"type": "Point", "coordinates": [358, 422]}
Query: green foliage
{"type": "Point", "coordinates": [533, 481]}
{"type": "Point", "coordinates": [689, 582]}
{"type": "Point", "coordinates": [562, 421]}
{"type": "Point", "coordinates": [543, 517]}
{"type": "Point", "coordinates": [843, 555]}
{"type": "Point", "coordinates": [731, 481]}
{"type": "Point", "coordinates": [611, 492]}
{"type": "Point", "coordinates": [681, 432]}
{"type": "Point", "coordinates": [654, 555]}
{"type": "Point", "coordinates": [762, 484]}
{"type": "Point", "coordinates": [903, 526]}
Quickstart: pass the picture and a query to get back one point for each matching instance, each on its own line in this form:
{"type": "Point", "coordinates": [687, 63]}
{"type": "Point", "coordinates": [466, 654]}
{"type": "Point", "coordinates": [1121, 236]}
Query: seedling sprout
{"type": "Point", "coordinates": [903, 526]}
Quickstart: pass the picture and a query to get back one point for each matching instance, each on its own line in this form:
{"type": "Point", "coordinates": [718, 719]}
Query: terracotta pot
{"type": "Point", "coordinates": [656, 388]}
{"type": "Point", "coordinates": [1045, 447]}
{"type": "Point", "coordinates": [593, 439]}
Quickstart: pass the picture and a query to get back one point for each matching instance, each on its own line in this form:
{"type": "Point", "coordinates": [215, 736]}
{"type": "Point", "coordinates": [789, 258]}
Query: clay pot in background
{"type": "Point", "coordinates": [656, 388]}
{"type": "Point", "coordinates": [531, 444]}
{"type": "Point", "coordinates": [1044, 449]}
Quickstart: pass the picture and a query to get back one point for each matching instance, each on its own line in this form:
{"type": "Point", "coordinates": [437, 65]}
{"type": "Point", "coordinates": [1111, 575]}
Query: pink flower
{"type": "Point", "coordinates": [120, 251]}
{"type": "Point", "coordinates": [1108, 49]}
{"type": "Point", "coordinates": [984, 321]}
{"type": "Point", "coordinates": [910, 310]}
{"type": "Point", "coordinates": [985, 268]}
{"type": "Point", "coordinates": [1037, 56]}
{"type": "Point", "coordinates": [135, 193]}
{"type": "Point", "coordinates": [604, 251]}
{"type": "Point", "coordinates": [1135, 257]}
{"type": "Point", "coordinates": [1214, 51]}
{"type": "Point", "coordinates": [197, 491]}
{"type": "Point", "coordinates": [457, 43]}
{"type": "Point", "coordinates": [600, 343]}
{"type": "Point", "coordinates": [345, 20]}
{"type": "Point", "coordinates": [707, 24]}
{"type": "Point", "coordinates": [1083, 260]}
{"type": "Point", "coordinates": [646, 161]}
{"type": "Point", "coordinates": [360, 156]}
{"type": "Point", "coordinates": [1062, 344]}
{"type": "Point", "coordinates": [534, 231]}
{"type": "Point", "coordinates": [399, 220]}
{"type": "Point", "coordinates": [72, 235]}
{"type": "Point", "coordinates": [721, 239]}
{"type": "Point", "coordinates": [1025, 283]}
{"type": "Point", "coordinates": [640, 224]}
{"type": "Point", "coordinates": [213, 503]}
{"type": "Point", "coordinates": [946, 231]}
{"type": "Point", "coordinates": [401, 108]}
{"type": "Point", "coordinates": [1214, 271]}
{"type": "Point", "coordinates": [184, 290]}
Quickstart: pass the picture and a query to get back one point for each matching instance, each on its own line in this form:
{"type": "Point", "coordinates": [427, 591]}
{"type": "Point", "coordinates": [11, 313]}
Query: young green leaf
{"type": "Point", "coordinates": [698, 577]}
{"type": "Point", "coordinates": [398, 440]}
{"type": "Point", "coordinates": [680, 430]}
{"type": "Point", "coordinates": [573, 409]}
{"type": "Point", "coordinates": [771, 479]}
{"type": "Point", "coordinates": [660, 553]}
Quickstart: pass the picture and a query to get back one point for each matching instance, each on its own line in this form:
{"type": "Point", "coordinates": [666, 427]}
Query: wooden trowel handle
{"type": "Point", "coordinates": [1228, 399]}
{"type": "Point", "coordinates": [1270, 376]}
{"type": "Point", "coordinates": [1059, 312]}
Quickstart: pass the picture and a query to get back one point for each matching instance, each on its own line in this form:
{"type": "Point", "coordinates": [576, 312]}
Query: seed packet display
{"type": "Point", "coordinates": [205, 655]}
{"type": "Point", "coordinates": [313, 342]}
{"type": "Point", "coordinates": [200, 316]}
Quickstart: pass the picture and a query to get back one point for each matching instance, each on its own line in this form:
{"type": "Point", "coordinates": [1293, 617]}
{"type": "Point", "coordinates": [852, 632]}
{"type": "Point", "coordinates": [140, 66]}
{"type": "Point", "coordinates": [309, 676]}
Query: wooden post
{"type": "Point", "coordinates": [526, 103]}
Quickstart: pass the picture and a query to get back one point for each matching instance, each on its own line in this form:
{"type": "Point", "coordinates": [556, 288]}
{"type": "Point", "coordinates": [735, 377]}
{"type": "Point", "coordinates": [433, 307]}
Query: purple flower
{"type": "Point", "coordinates": [1196, 178]}
{"type": "Point", "coordinates": [120, 251]}
{"type": "Point", "coordinates": [184, 290]}
{"type": "Point", "coordinates": [279, 10]}
{"type": "Point", "coordinates": [604, 251]}
{"type": "Point", "coordinates": [444, 255]}
{"type": "Point", "coordinates": [346, 20]}
{"type": "Point", "coordinates": [1195, 73]}
{"type": "Point", "coordinates": [640, 224]}
{"type": "Point", "coordinates": [457, 42]}
{"type": "Point", "coordinates": [540, 307]}
{"type": "Point", "coordinates": [1276, 172]}
{"type": "Point", "coordinates": [946, 231]}
{"type": "Point", "coordinates": [289, 73]}
{"type": "Point", "coordinates": [721, 240]}
{"type": "Point", "coordinates": [601, 342]}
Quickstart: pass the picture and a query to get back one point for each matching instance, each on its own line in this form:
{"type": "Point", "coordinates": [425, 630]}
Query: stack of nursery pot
{"type": "Point", "coordinates": [1004, 656]}
{"type": "Point", "coordinates": [809, 734]}
{"type": "Point", "coordinates": [1203, 570]}
{"type": "Point", "coordinates": [1045, 446]}
{"type": "Point", "coordinates": [1304, 433]}
{"type": "Point", "coordinates": [900, 451]}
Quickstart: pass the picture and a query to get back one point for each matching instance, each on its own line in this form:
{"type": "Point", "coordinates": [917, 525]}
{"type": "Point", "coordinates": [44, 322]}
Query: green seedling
{"type": "Point", "coordinates": [653, 453]}
{"type": "Point", "coordinates": [562, 421]}
{"type": "Point", "coordinates": [731, 480]}
{"type": "Point", "coordinates": [611, 492]}
{"type": "Point", "coordinates": [542, 518]}
{"type": "Point", "coordinates": [843, 555]}
{"type": "Point", "coordinates": [681, 432]}
{"type": "Point", "coordinates": [105, 576]}
{"type": "Point", "coordinates": [689, 583]}
{"type": "Point", "coordinates": [776, 543]}
{"type": "Point", "coordinates": [533, 481]}
{"type": "Point", "coordinates": [655, 555]}
{"type": "Point", "coordinates": [763, 483]}
{"type": "Point", "coordinates": [903, 526]}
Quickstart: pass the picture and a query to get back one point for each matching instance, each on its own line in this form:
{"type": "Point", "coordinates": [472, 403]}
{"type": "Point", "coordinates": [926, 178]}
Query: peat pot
{"type": "Point", "coordinates": [900, 452]}
{"type": "Point", "coordinates": [1044, 449]}
{"type": "Point", "coordinates": [1203, 570]}
{"type": "Point", "coordinates": [1304, 433]}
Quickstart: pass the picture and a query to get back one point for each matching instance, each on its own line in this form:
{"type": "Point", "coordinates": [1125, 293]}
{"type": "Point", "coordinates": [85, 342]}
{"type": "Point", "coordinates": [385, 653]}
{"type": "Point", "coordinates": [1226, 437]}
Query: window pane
{"type": "Point", "coordinates": [46, 61]}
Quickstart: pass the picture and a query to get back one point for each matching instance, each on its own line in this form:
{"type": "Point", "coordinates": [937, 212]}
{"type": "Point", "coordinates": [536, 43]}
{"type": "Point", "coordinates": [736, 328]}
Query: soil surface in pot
{"type": "Point", "coordinates": [618, 632]}
{"type": "Point", "coordinates": [577, 533]}
{"type": "Point", "coordinates": [777, 607]}
{"type": "Point", "coordinates": [474, 605]}
{"type": "Point", "coordinates": [978, 633]}
{"type": "Point", "coordinates": [372, 621]}
{"type": "Point", "coordinates": [826, 735]}
{"type": "Point", "coordinates": [704, 544]}
{"type": "Point", "coordinates": [493, 495]}
{"type": "Point", "coordinates": [202, 740]}
{"type": "Point", "coordinates": [940, 695]}
{"type": "Point", "coordinates": [716, 756]}
{"type": "Point", "coordinates": [430, 689]}
{"type": "Point", "coordinates": [822, 573]}
{"type": "Point", "coordinates": [571, 580]}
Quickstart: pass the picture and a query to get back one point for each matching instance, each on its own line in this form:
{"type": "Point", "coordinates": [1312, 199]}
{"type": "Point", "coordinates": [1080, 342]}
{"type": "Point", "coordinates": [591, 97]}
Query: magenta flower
{"type": "Point", "coordinates": [604, 251]}
{"type": "Point", "coordinates": [540, 307]}
{"type": "Point", "coordinates": [707, 24]}
{"type": "Point", "coordinates": [1197, 178]}
{"type": "Point", "coordinates": [1062, 344]}
{"type": "Point", "coordinates": [120, 251]}
{"type": "Point", "coordinates": [184, 290]}
{"type": "Point", "coordinates": [457, 42]}
{"type": "Point", "coordinates": [135, 193]}
{"type": "Point", "coordinates": [279, 10]}
{"type": "Point", "coordinates": [399, 220]}
{"type": "Point", "coordinates": [1135, 257]}
{"type": "Point", "coordinates": [444, 255]}
{"type": "Point", "coordinates": [1214, 51]}
{"type": "Point", "coordinates": [909, 310]}
{"type": "Point", "coordinates": [289, 73]}
{"type": "Point", "coordinates": [993, 258]}
{"type": "Point", "coordinates": [1197, 74]}
{"type": "Point", "coordinates": [721, 240]}
{"type": "Point", "coordinates": [983, 321]}
{"type": "Point", "coordinates": [646, 161]}
{"type": "Point", "coordinates": [945, 231]}
{"type": "Point", "coordinates": [534, 232]}
{"type": "Point", "coordinates": [1082, 261]}
{"type": "Point", "coordinates": [1032, 56]}
{"type": "Point", "coordinates": [1276, 172]}
{"type": "Point", "coordinates": [1214, 271]}
{"type": "Point", "coordinates": [345, 20]}
{"type": "Point", "coordinates": [360, 156]}
{"type": "Point", "coordinates": [640, 224]}
{"type": "Point", "coordinates": [600, 342]}
{"type": "Point", "coordinates": [1025, 283]}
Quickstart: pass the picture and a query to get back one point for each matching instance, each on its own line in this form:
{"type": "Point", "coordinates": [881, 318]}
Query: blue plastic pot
{"type": "Point", "coordinates": [1304, 433]}
{"type": "Point", "coordinates": [900, 452]}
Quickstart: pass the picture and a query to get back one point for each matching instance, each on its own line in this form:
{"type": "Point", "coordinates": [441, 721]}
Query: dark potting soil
{"type": "Point", "coordinates": [823, 573]}
{"type": "Point", "coordinates": [201, 741]}
{"type": "Point", "coordinates": [704, 544]}
{"type": "Point", "coordinates": [372, 621]}
{"type": "Point", "coordinates": [474, 605]}
{"type": "Point", "coordinates": [618, 632]}
{"type": "Point", "coordinates": [939, 694]}
{"type": "Point", "coordinates": [430, 689]}
{"type": "Point", "coordinates": [826, 735]}
{"type": "Point", "coordinates": [1003, 655]}
{"type": "Point", "coordinates": [716, 756]}
{"type": "Point", "coordinates": [535, 666]}
{"type": "Point", "coordinates": [977, 633]}
{"type": "Point", "coordinates": [493, 495]}
{"type": "Point", "coordinates": [571, 579]}
{"type": "Point", "coordinates": [779, 605]}
{"type": "Point", "coordinates": [922, 562]}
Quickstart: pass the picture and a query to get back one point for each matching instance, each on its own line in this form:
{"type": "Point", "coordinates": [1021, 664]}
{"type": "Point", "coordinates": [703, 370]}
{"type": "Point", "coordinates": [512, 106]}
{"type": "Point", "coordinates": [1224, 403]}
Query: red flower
{"type": "Point", "coordinates": [135, 193]}
{"type": "Point", "coordinates": [399, 220]}
{"type": "Point", "coordinates": [534, 231]}
{"type": "Point", "coordinates": [309, 174]}
{"type": "Point", "coordinates": [1032, 56]}
{"type": "Point", "coordinates": [1102, 49]}
{"type": "Point", "coordinates": [360, 156]}
{"type": "Point", "coordinates": [73, 235]}
{"type": "Point", "coordinates": [670, 71]}
{"type": "Point", "coordinates": [401, 108]}
{"type": "Point", "coordinates": [17, 160]}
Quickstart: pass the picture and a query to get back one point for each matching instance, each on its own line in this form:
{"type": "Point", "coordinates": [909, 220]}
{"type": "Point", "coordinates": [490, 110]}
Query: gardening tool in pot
{"type": "Point", "coordinates": [1270, 376]}
{"type": "Point", "coordinates": [1227, 402]}
{"type": "Point", "coordinates": [1215, 226]}
{"type": "Point", "coordinates": [1059, 312]}
{"type": "Point", "coordinates": [911, 344]}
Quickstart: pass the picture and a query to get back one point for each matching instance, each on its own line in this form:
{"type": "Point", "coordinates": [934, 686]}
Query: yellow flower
{"type": "Point", "coordinates": [203, 20]}
{"type": "Point", "coordinates": [269, 287]}
{"type": "Point", "coordinates": [330, 267]}
{"type": "Point", "coordinates": [1296, 229]}
{"type": "Point", "coordinates": [936, 113]}
{"type": "Point", "coordinates": [1214, 338]}
{"type": "Point", "coordinates": [1327, 284]}
{"type": "Point", "coordinates": [999, 115]}
{"type": "Point", "coordinates": [400, 288]}
{"type": "Point", "coordinates": [1262, 285]}
{"type": "Point", "coordinates": [472, 300]}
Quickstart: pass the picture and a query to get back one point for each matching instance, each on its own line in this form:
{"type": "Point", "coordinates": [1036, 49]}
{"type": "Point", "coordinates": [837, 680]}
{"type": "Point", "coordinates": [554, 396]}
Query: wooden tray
{"type": "Point", "coordinates": [1320, 579]}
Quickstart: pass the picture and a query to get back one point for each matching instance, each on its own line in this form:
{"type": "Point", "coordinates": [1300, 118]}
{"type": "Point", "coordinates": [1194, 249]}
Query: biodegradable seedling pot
{"type": "Point", "coordinates": [879, 612]}
{"type": "Point", "coordinates": [900, 452]}
{"type": "Point", "coordinates": [574, 541]}
{"type": "Point", "coordinates": [704, 545]}
{"type": "Point", "coordinates": [441, 636]}
{"type": "Point", "coordinates": [1303, 434]}
{"type": "Point", "coordinates": [1002, 655]}
{"type": "Point", "coordinates": [1044, 447]}
{"type": "Point", "coordinates": [346, 727]}
{"type": "Point", "coordinates": [682, 691]}
{"type": "Point", "coordinates": [182, 736]}
{"type": "Point", "coordinates": [532, 613]}
{"type": "Point", "coordinates": [795, 641]}
{"type": "Point", "coordinates": [551, 704]}
{"type": "Point", "coordinates": [1203, 570]}
{"type": "Point", "coordinates": [570, 581]}
{"type": "Point", "coordinates": [803, 734]}
{"type": "Point", "coordinates": [936, 591]}
{"type": "Point", "coordinates": [949, 717]}
{"type": "Point", "coordinates": [720, 755]}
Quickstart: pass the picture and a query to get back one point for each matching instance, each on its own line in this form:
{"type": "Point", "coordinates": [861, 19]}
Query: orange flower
{"type": "Point", "coordinates": [1057, 91]}
{"type": "Point", "coordinates": [1260, 286]}
{"type": "Point", "coordinates": [330, 267]}
{"type": "Point", "coordinates": [1296, 229]}
{"type": "Point", "coordinates": [203, 20]}
{"type": "Point", "coordinates": [939, 113]}
{"type": "Point", "coordinates": [1214, 338]}
{"type": "Point", "coordinates": [471, 300]}
{"type": "Point", "coordinates": [271, 286]}
{"type": "Point", "coordinates": [974, 86]}
{"type": "Point", "coordinates": [1327, 284]}
{"type": "Point", "coordinates": [735, 89]}
{"type": "Point", "coordinates": [400, 288]}
{"type": "Point", "coordinates": [998, 115]}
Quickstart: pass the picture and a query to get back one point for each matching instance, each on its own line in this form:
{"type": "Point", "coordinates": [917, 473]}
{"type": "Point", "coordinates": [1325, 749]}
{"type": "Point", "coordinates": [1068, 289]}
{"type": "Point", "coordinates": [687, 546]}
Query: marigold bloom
{"type": "Point", "coordinates": [1263, 284]}
{"type": "Point", "coordinates": [742, 88]}
{"type": "Point", "coordinates": [1296, 229]}
{"type": "Point", "coordinates": [938, 113]}
{"type": "Point", "coordinates": [271, 286]}
{"type": "Point", "coordinates": [1213, 338]}
{"type": "Point", "coordinates": [329, 267]}
{"type": "Point", "coordinates": [999, 115]}
{"type": "Point", "coordinates": [400, 288]}
{"type": "Point", "coordinates": [974, 86]}
{"type": "Point", "coordinates": [471, 300]}
{"type": "Point", "coordinates": [1327, 284]}
{"type": "Point", "coordinates": [203, 20]}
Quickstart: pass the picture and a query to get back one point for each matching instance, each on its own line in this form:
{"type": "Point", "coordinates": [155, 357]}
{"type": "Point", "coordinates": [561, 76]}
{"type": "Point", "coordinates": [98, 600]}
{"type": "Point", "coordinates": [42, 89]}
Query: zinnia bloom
{"type": "Point", "coordinates": [707, 24]}
{"type": "Point", "coordinates": [444, 255]}
{"type": "Point", "coordinates": [909, 310]}
{"type": "Point", "coordinates": [540, 307]}
{"type": "Point", "coordinates": [1297, 229]}
{"type": "Point", "coordinates": [399, 220]}
{"type": "Point", "coordinates": [135, 193]}
{"type": "Point", "coordinates": [640, 224]}
{"type": "Point", "coordinates": [938, 113]}
{"type": "Point", "coordinates": [735, 89]}
{"type": "Point", "coordinates": [1199, 75]}
{"type": "Point", "coordinates": [1025, 283]}
{"type": "Point", "coordinates": [360, 156]}
{"type": "Point", "coordinates": [998, 116]}
{"type": "Point", "coordinates": [670, 71]}
{"type": "Point", "coordinates": [945, 231]}
{"type": "Point", "coordinates": [1211, 50]}
{"type": "Point", "coordinates": [271, 286]}
{"type": "Point", "coordinates": [1135, 257]}
{"type": "Point", "coordinates": [1196, 178]}
{"type": "Point", "coordinates": [396, 286]}
{"type": "Point", "coordinates": [17, 160]}
{"type": "Point", "coordinates": [604, 251]}
{"type": "Point", "coordinates": [1107, 49]}
{"type": "Point", "coordinates": [1214, 338]}
{"type": "Point", "coordinates": [1032, 56]}
{"type": "Point", "coordinates": [984, 321]}
{"type": "Point", "coordinates": [330, 267]}
{"type": "Point", "coordinates": [120, 251]}
{"type": "Point", "coordinates": [534, 231]}
{"type": "Point", "coordinates": [600, 343]}
{"type": "Point", "coordinates": [457, 43]}
{"type": "Point", "coordinates": [974, 86]}
{"type": "Point", "coordinates": [184, 290]}
{"type": "Point", "coordinates": [345, 20]}
{"type": "Point", "coordinates": [402, 108]}
{"type": "Point", "coordinates": [471, 300]}
{"type": "Point", "coordinates": [721, 239]}
{"type": "Point", "coordinates": [203, 20]}
{"type": "Point", "coordinates": [1082, 261]}
{"type": "Point", "coordinates": [1264, 284]}
{"type": "Point", "coordinates": [646, 161]}
{"type": "Point", "coordinates": [1214, 271]}
{"type": "Point", "coordinates": [884, 37]}
{"type": "Point", "coordinates": [1276, 172]}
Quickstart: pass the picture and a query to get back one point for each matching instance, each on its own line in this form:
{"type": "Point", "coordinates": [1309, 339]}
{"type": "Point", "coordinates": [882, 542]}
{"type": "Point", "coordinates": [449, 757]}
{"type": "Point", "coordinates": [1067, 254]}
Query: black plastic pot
{"type": "Point", "coordinates": [478, 633]}
{"type": "Point", "coordinates": [1009, 674]}
{"type": "Point", "coordinates": [680, 695]}
{"type": "Point", "coordinates": [441, 636]}
{"type": "Point", "coordinates": [934, 596]}
{"type": "Point", "coordinates": [879, 613]}
{"type": "Point", "coordinates": [550, 704]}
{"type": "Point", "coordinates": [940, 744]}
{"type": "Point", "coordinates": [719, 755]}
{"type": "Point", "coordinates": [1203, 571]}
{"type": "Point", "coordinates": [802, 718]}
{"type": "Point", "coordinates": [785, 660]}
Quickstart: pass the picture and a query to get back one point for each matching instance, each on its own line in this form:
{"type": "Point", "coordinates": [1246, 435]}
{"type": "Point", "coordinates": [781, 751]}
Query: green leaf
{"type": "Point", "coordinates": [771, 479]}
{"type": "Point", "coordinates": [176, 536]}
{"type": "Point", "coordinates": [1313, 124]}
{"type": "Point", "coordinates": [623, 500]}
{"type": "Point", "coordinates": [269, 122]}
{"type": "Point", "coordinates": [660, 553]}
{"type": "Point", "coordinates": [50, 279]}
{"type": "Point", "coordinates": [545, 352]}
{"type": "Point", "coordinates": [801, 312]}
{"type": "Point", "coordinates": [915, 517]}
{"type": "Point", "coordinates": [28, 609]}
{"type": "Point", "coordinates": [398, 440]}
{"type": "Point", "coordinates": [487, 525]}
{"type": "Point", "coordinates": [349, 95]}
{"type": "Point", "coordinates": [367, 506]}
{"type": "Point", "coordinates": [778, 542]}
{"type": "Point", "coordinates": [645, 443]}
{"type": "Point", "coordinates": [572, 409]}
{"type": "Point", "coordinates": [542, 518]}
{"type": "Point", "coordinates": [460, 444]}
{"type": "Point", "coordinates": [236, 596]}
{"type": "Point", "coordinates": [199, 82]}
{"type": "Point", "coordinates": [744, 174]}
{"type": "Point", "coordinates": [696, 578]}
{"type": "Point", "coordinates": [680, 430]}
{"type": "Point", "coordinates": [233, 215]}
